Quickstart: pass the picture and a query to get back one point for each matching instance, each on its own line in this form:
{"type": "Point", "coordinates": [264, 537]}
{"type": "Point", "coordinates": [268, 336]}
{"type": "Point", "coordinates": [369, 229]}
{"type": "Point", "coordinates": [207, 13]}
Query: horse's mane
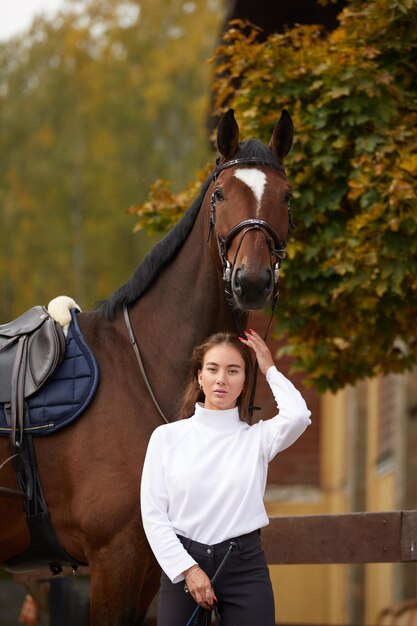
{"type": "Point", "coordinates": [165, 250]}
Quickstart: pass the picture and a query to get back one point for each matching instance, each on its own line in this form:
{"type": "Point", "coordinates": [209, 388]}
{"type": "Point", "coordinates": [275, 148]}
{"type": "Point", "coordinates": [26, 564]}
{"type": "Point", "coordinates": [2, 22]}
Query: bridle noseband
{"type": "Point", "coordinates": [275, 244]}
{"type": "Point", "coordinates": [277, 247]}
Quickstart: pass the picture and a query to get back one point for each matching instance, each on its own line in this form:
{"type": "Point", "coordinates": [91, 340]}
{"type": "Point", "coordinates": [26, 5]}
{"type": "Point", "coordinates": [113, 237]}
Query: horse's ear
{"type": "Point", "coordinates": [228, 135]}
{"type": "Point", "coordinates": [281, 140]}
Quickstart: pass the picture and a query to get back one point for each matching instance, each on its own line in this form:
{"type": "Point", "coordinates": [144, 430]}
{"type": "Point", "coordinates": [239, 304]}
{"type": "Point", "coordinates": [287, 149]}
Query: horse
{"type": "Point", "coordinates": [220, 261]}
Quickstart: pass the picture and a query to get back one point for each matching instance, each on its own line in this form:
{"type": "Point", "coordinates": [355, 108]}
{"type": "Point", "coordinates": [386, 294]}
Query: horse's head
{"type": "Point", "coordinates": [249, 211]}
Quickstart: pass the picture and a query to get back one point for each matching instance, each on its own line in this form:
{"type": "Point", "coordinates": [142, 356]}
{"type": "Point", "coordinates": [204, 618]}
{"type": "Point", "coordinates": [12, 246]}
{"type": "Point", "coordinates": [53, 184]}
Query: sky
{"type": "Point", "coordinates": [17, 15]}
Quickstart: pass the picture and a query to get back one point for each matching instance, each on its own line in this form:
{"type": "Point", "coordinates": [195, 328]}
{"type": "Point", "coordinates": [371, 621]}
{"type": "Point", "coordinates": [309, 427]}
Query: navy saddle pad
{"type": "Point", "coordinates": [67, 393]}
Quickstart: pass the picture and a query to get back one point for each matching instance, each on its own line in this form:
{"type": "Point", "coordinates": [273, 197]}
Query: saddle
{"type": "Point", "coordinates": [31, 348]}
{"type": "Point", "coordinates": [50, 379]}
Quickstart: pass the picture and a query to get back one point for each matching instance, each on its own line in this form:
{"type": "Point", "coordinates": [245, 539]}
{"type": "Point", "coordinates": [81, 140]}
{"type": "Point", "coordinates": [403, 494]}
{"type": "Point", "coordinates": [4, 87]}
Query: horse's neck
{"type": "Point", "coordinates": [184, 306]}
{"type": "Point", "coordinates": [188, 296]}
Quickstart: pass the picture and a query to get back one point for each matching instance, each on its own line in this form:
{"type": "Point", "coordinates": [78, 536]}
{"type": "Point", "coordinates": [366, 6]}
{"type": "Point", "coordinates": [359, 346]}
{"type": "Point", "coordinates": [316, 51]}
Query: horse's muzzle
{"type": "Point", "coordinates": [252, 291]}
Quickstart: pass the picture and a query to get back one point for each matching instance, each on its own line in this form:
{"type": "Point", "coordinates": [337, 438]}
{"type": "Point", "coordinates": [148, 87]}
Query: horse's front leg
{"type": "Point", "coordinates": [124, 580]}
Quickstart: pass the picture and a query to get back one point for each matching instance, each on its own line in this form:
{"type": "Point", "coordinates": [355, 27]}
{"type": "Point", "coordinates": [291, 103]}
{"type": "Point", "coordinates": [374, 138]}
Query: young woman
{"type": "Point", "coordinates": [203, 483]}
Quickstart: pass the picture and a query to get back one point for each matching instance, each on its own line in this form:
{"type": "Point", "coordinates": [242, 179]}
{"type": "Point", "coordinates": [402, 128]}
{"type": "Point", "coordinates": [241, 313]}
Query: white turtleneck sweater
{"type": "Point", "coordinates": [205, 477]}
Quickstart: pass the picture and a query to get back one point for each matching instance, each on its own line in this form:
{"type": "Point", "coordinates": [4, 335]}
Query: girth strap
{"type": "Point", "coordinates": [17, 391]}
{"type": "Point", "coordinates": [6, 492]}
{"type": "Point", "coordinates": [45, 548]}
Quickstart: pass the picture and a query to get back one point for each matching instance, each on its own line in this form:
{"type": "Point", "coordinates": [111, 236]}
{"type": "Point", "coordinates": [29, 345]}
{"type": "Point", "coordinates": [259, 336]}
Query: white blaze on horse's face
{"type": "Point", "coordinates": [255, 180]}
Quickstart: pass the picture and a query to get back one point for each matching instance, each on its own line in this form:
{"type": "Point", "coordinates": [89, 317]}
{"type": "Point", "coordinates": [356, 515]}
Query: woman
{"type": "Point", "coordinates": [203, 484]}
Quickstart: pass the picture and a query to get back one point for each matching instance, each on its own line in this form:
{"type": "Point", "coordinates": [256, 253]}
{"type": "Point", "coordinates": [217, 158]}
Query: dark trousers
{"type": "Point", "coordinates": [243, 588]}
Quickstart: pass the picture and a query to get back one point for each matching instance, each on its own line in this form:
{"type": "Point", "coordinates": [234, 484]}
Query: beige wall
{"type": "Point", "coordinates": [320, 594]}
{"type": "Point", "coordinates": [380, 481]}
{"type": "Point", "coordinates": [315, 594]}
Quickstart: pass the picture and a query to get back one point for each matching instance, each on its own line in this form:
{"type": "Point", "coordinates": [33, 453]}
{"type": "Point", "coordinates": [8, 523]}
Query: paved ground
{"type": "Point", "coordinates": [11, 599]}
{"type": "Point", "coordinates": [13, 594]}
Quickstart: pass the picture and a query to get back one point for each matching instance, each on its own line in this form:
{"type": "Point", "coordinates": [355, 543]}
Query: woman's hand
{"type": "Point", "coordinates": [262, 352]}
{"type": "Point", "coordinates": [199, 585]}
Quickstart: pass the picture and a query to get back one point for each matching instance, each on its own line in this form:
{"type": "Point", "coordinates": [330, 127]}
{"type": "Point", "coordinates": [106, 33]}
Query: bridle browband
{"type": "Point", "coordinates": [277, 250]}
{"type": "Point", "coordinates": [276, 165]}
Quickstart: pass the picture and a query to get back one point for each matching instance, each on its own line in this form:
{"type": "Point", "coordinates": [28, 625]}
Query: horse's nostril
{"type": "Point", "coordinates": [237, 287]}
{"type": "Point", "coordinates": [269, 282]}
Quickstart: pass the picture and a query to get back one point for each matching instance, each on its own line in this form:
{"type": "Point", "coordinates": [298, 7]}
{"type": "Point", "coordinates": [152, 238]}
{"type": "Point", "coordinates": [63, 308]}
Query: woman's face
{"type": "Point", "coordinates": [222, 377]}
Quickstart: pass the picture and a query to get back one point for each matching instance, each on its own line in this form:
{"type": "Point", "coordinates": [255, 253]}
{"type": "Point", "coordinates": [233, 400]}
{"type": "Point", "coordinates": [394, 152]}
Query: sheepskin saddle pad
{"type": "Point", "coordinates": [62, 394]}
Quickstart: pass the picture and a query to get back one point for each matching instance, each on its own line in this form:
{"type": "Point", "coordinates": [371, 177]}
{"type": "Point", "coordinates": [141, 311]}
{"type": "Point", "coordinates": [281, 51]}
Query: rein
{"type": "Point", "coordinates": [134, 343]}
{"type": "Point", "coordinates": [277, 252]}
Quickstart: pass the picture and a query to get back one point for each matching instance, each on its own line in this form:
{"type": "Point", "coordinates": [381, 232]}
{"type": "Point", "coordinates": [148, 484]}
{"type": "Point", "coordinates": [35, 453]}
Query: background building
{"type": "Point", "coordinates": [359, 454]}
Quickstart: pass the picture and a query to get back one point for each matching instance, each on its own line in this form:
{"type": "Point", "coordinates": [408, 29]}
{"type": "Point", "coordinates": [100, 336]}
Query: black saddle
{"type": "Point", "coordinates": [31, 348]}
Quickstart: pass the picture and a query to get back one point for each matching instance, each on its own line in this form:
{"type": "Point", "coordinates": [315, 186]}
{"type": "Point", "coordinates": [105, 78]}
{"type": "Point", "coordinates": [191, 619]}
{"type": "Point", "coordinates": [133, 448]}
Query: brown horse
{"type": "Point", "coordinates": [231, 239]}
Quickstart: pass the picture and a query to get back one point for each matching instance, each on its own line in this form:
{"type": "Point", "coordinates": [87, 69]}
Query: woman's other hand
{"type": "Point", "coordinates": [262, 352]}
{"type": "Point", "coordinates": [199, 585]}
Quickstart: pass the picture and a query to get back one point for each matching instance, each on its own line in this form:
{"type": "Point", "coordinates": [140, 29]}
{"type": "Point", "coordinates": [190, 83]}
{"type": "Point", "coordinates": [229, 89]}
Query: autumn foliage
{"type": "Point", "coordinates": [95, 103]}
{"type": "Point", "coordinates": [349, 287]}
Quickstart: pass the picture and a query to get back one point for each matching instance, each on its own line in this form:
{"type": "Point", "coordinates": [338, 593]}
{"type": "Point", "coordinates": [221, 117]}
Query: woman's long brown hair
{"type": "Point", "coordinates": [193, 393]}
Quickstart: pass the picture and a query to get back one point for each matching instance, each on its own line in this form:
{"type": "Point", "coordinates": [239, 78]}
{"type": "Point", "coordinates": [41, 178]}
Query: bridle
{"type": "Point", "coordinates": [277, 252]}
{"type": "Point", "coordinates": [277, 246]}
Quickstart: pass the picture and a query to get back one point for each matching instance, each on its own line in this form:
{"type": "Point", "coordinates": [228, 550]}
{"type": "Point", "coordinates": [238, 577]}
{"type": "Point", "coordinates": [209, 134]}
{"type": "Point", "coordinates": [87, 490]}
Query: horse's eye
{"type": "Point", "coordinates": [288, 197]}
{"type": "Point", "coordinates": [218, 195]}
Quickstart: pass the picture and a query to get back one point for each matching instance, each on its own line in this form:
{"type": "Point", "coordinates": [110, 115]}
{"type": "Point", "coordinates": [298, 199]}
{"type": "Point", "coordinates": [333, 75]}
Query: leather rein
{"type": "Point", "coordinates": [277, 252]}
